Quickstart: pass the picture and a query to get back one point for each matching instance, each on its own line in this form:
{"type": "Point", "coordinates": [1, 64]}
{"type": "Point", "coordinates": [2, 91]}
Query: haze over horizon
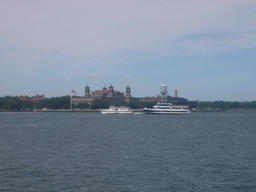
{"type": "Point", "coordinates": [204, 49]}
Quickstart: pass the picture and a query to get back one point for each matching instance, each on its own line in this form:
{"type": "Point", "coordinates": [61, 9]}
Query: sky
{"type": "Point", "coordinates": [204, 49]}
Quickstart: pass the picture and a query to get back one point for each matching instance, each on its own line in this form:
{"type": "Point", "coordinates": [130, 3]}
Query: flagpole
{"type": "Point", "coordinates": [71, 103]}
{"type": "Point", "coordinates": [72, 92]}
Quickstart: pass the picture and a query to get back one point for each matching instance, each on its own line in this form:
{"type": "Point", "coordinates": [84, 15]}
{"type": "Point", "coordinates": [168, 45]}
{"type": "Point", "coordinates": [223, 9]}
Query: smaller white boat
{"type": "Point", "coordinates": [111, 110]}
{"type": "Point", "coordinates": [123, 110]}
{"type": "Point", "coordinates": [117, 110]}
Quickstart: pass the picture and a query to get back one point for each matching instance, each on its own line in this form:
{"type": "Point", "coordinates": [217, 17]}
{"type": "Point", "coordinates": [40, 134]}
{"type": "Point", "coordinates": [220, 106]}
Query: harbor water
{"type": "Point", "coordinates": [54, 151]}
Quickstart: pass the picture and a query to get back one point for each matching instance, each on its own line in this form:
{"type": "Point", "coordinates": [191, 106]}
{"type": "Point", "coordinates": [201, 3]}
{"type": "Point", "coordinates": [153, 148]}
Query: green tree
{"type": "Point", "coordinates": [235, 104]}
{"type": "Point", "coordinates": [83, 105]}
{"type": "Point", "coordinates": [1, 103]}
{"type": "Point", "coordinates": [67, 106]}
{"type": "Point", "coordinates": [27, 104]}
{"type": "Point", "coordinates": [253, 104]}
{"type": "Point", "coordinates": [219, 104]}
{"type": "Point", "coordinates": [54, 103]}
{"type": "Point", "coordinates": [99, 104]}
{"type": "Point", "coordinates": [15, 106]}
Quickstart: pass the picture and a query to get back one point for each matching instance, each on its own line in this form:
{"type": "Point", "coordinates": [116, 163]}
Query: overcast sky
{"type": "Point", "coordinates": [205, 49]}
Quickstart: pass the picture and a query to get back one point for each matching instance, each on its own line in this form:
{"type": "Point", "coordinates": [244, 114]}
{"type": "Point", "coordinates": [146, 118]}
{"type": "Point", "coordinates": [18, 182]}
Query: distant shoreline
{"type": "Point", "coordinates": [76, 110]}
{"type": "Point", "coordinates": [98, 110]}
{"type": "Point", "coordinates": [66, 110]}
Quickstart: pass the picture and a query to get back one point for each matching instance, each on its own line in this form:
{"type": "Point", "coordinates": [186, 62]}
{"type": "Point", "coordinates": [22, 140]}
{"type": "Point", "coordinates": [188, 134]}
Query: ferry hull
{"type": "Point", "coordinates": [108, 112]}
{"type": "Point", "coordinates": [166, 112]}
{"type": "Point", "coordinates": [117, 110]}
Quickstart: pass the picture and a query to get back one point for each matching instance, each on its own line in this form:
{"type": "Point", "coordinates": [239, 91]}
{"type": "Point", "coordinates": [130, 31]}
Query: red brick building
{"type": "Point", "coordinates": [108, 95]}
{"type": "Point", "coordinates": [26, 98]}
{"type": "Point", "coordinates": [35, 99]}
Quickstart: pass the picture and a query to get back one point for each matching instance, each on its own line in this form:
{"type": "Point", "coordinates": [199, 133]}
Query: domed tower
{"type": "Point", "coordinates": [105, 88]}
{"type": "Point", "coordinates": [87, 91]}
{"type": "Point", "coordinates": [111, 91]}
{"type": "Point", "coordinates": [128, 94]}
{"type": "Point", "coordinates": [128, 91]}
{"type": "Point", "coordinates": [105, 91]}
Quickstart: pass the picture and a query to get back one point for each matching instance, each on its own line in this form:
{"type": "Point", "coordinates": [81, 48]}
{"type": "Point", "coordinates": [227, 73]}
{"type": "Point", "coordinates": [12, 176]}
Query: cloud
{"type": "Point", "coordinates": [100, 27]}
{"type": "Point", "coordinates": [129, 77]}
{"type": "Point", "coordinates": [126, 77]}
{"type": "Point", "coordinates": [94, 75]}
{"type": "Point", "coordinates": [213, 43]}
{"type": "Point", "coordinates": [50, 40]}
{"type": "Point", "coordinates": [60, 79]}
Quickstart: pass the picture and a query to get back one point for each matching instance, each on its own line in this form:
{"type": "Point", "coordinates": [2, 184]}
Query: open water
{"type": "Point", "coordinates": [94, 152]}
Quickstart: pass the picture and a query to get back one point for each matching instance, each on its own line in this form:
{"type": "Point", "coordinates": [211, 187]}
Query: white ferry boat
{"type": "Point", "coordinates": [167, 108]}
{"type": "Point", "coordinates": [123, 110]}
{"type": "Point", "coordinates": [117, 110]}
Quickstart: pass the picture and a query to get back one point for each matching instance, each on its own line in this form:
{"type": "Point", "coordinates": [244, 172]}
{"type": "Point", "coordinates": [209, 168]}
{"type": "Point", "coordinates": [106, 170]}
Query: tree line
{"type": "Point", "coordinates": [227, 104]}
{"type": "Point", "coordinates": [15, 103]}
{"type": "Point", "coordinates": [64, 103]}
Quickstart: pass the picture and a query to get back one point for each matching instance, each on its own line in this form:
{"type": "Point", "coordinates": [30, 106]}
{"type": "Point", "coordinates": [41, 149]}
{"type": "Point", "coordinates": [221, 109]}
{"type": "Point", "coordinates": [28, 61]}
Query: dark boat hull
{"type": "Point", "coordinates": [171, 112]}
